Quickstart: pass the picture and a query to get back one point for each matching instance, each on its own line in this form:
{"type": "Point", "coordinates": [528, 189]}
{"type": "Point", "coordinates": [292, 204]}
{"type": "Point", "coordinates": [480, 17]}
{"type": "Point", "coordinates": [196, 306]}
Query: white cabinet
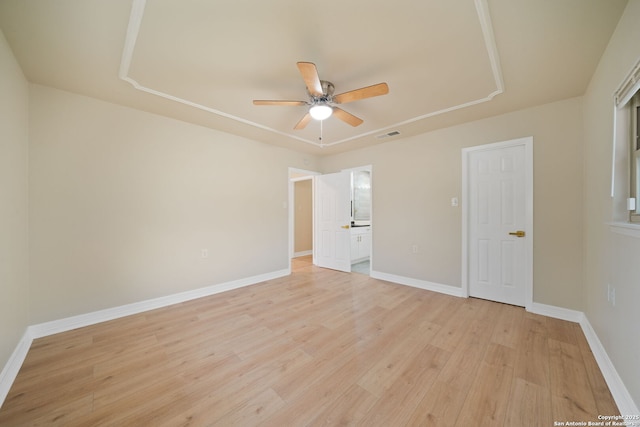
{"type": "Point", "coordinates": [360, 244]}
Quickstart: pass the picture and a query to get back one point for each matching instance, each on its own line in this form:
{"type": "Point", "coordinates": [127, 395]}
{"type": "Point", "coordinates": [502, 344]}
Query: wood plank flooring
{"type": "Point", "coordinates": [316, 348]}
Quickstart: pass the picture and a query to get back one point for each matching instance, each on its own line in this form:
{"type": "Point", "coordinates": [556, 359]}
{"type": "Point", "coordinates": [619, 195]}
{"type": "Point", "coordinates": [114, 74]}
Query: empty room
{"type": "Point", "coordinates": [294, 213]}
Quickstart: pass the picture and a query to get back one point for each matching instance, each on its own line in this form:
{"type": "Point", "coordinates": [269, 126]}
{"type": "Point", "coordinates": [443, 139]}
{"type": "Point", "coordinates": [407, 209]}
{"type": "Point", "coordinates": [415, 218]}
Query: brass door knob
{"type": "Point", "coordinates": [518, 233]}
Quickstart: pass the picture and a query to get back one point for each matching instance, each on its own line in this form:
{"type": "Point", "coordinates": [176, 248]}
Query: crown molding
{"type": "Point", "coordinates": [133, 29]}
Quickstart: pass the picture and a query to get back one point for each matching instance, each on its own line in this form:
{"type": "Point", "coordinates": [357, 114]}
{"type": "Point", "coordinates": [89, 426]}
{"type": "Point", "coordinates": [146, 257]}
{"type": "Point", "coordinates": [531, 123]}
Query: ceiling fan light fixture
{"type": "Point", "coordinates": [320, 111]}
{"type": "Point", "coordinates": [321, 98]}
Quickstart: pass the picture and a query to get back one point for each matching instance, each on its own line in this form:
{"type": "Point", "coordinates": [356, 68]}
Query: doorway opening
{"type": "Point", "coordinates": [300, 213]}
{"type": "Point", "coordinates": [361, 218]}
{"type": "Point", "coordinates": [307, 229]}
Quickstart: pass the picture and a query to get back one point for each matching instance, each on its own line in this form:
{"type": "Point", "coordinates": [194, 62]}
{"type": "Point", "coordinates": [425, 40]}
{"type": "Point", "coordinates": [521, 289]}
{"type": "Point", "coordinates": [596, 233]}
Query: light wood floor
{"type": "Point", "coordinates": [316, 348]}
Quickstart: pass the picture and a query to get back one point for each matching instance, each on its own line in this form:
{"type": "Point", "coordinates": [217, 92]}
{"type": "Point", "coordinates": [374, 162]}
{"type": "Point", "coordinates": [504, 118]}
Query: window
{"type": "Point", "coordinates": [627, 105]}
{"type": "Point", "coordinates": [635, 156]}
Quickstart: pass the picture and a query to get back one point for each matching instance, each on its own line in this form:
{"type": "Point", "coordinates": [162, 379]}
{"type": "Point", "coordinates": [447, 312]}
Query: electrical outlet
{"type": "Point", "coordinates": [204, 253]}
{"type": "Point", "coordinates": [414, 249]}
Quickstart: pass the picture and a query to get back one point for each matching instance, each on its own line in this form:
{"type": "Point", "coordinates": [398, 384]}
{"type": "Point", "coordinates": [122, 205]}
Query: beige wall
{"type": "Point", "coordinates": [14, 292]}
{"type": "Point", "coordinates": [611, 258]}
{"type": "Point", "coordinates": [303, 235]}
{"type": "Point", "coordinates": [122, 202]}
{"type": "Point", "coordinates": [415, 178]}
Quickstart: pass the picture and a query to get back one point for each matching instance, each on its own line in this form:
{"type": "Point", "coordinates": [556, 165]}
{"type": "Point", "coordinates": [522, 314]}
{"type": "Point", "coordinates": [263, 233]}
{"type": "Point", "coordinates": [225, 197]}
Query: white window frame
{"type": "Point", "coordinates": [626, 103]}
{"type": "Point", "coordinates": [634, 155]}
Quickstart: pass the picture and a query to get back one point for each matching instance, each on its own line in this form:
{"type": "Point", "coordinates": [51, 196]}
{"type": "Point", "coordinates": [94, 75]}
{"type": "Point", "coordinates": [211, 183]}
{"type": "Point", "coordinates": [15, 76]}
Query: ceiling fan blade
{"type": "Point", "coordinates": [311, 79]}
{"type": "Point", "coordinates": [362, 93]}
{"type": "Point", "coordinates": [303, 122]}
{"type": "Point", "coordinates": [285, 103]}
{"type": "Point", "coordinates": [347, 117]}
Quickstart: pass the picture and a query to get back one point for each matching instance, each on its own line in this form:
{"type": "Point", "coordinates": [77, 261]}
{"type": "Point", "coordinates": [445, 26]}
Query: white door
{"type": "Point", "coordinates": [499, 222]}
{"type": "Point", "coordinates": [332, 201]}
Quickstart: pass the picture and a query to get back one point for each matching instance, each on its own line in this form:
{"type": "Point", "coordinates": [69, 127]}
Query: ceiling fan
{"type": "Point", "coordinates": [322, 102]}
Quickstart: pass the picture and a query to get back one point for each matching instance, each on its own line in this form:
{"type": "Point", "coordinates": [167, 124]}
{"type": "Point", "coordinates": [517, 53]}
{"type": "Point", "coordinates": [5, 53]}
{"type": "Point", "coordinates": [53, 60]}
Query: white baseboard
{"type": "Point", "coordinates": [621, 395]}
{"type": "Point", "coordinates": [302, 253]}
{"type": "Point", "coordinates": [417, 283]}
{"type": "Point", "coordinates": [557, 312]}
{"type": "Point", "coordinates": [10, 371]}
{"type": "Point", "coordinates": [619, 391]}
{"type": "Point", "coordinates": [74, 322]}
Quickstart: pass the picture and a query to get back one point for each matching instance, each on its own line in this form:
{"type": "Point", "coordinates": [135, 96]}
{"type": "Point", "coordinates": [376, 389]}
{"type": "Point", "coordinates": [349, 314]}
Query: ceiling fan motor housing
{"type": "Point", "coordinates": [327, 93]}
{"type": "Point", "coordinates": [322, 103]}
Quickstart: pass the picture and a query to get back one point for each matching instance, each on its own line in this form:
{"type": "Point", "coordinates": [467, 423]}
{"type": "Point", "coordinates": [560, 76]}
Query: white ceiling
{"type": "Point", "coordinates": [204, 61]}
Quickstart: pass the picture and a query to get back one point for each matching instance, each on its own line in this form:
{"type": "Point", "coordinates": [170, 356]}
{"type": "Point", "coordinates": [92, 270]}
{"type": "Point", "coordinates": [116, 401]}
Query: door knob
{"type": "Point", "coordinates": [345, 226]}
{"type": "Point", "coordinates": [518, 233]}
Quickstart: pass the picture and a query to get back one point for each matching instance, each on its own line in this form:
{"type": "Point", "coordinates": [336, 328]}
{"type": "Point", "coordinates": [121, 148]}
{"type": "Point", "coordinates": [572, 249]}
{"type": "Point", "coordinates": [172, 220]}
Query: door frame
{"type": "Point", "coordinates": [527, 142]}
{"type": "Point", "coordinates": [293, 176]}
{"type": "Point", "coordinates": [296, 174]}
{"type": "Point", "coordinates": [368, 168]}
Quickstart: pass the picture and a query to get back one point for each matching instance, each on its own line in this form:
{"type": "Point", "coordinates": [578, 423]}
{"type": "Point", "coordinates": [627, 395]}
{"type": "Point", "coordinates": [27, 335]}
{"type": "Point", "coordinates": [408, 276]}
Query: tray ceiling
{"type": "Point", "coordinates": [445, 61]}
